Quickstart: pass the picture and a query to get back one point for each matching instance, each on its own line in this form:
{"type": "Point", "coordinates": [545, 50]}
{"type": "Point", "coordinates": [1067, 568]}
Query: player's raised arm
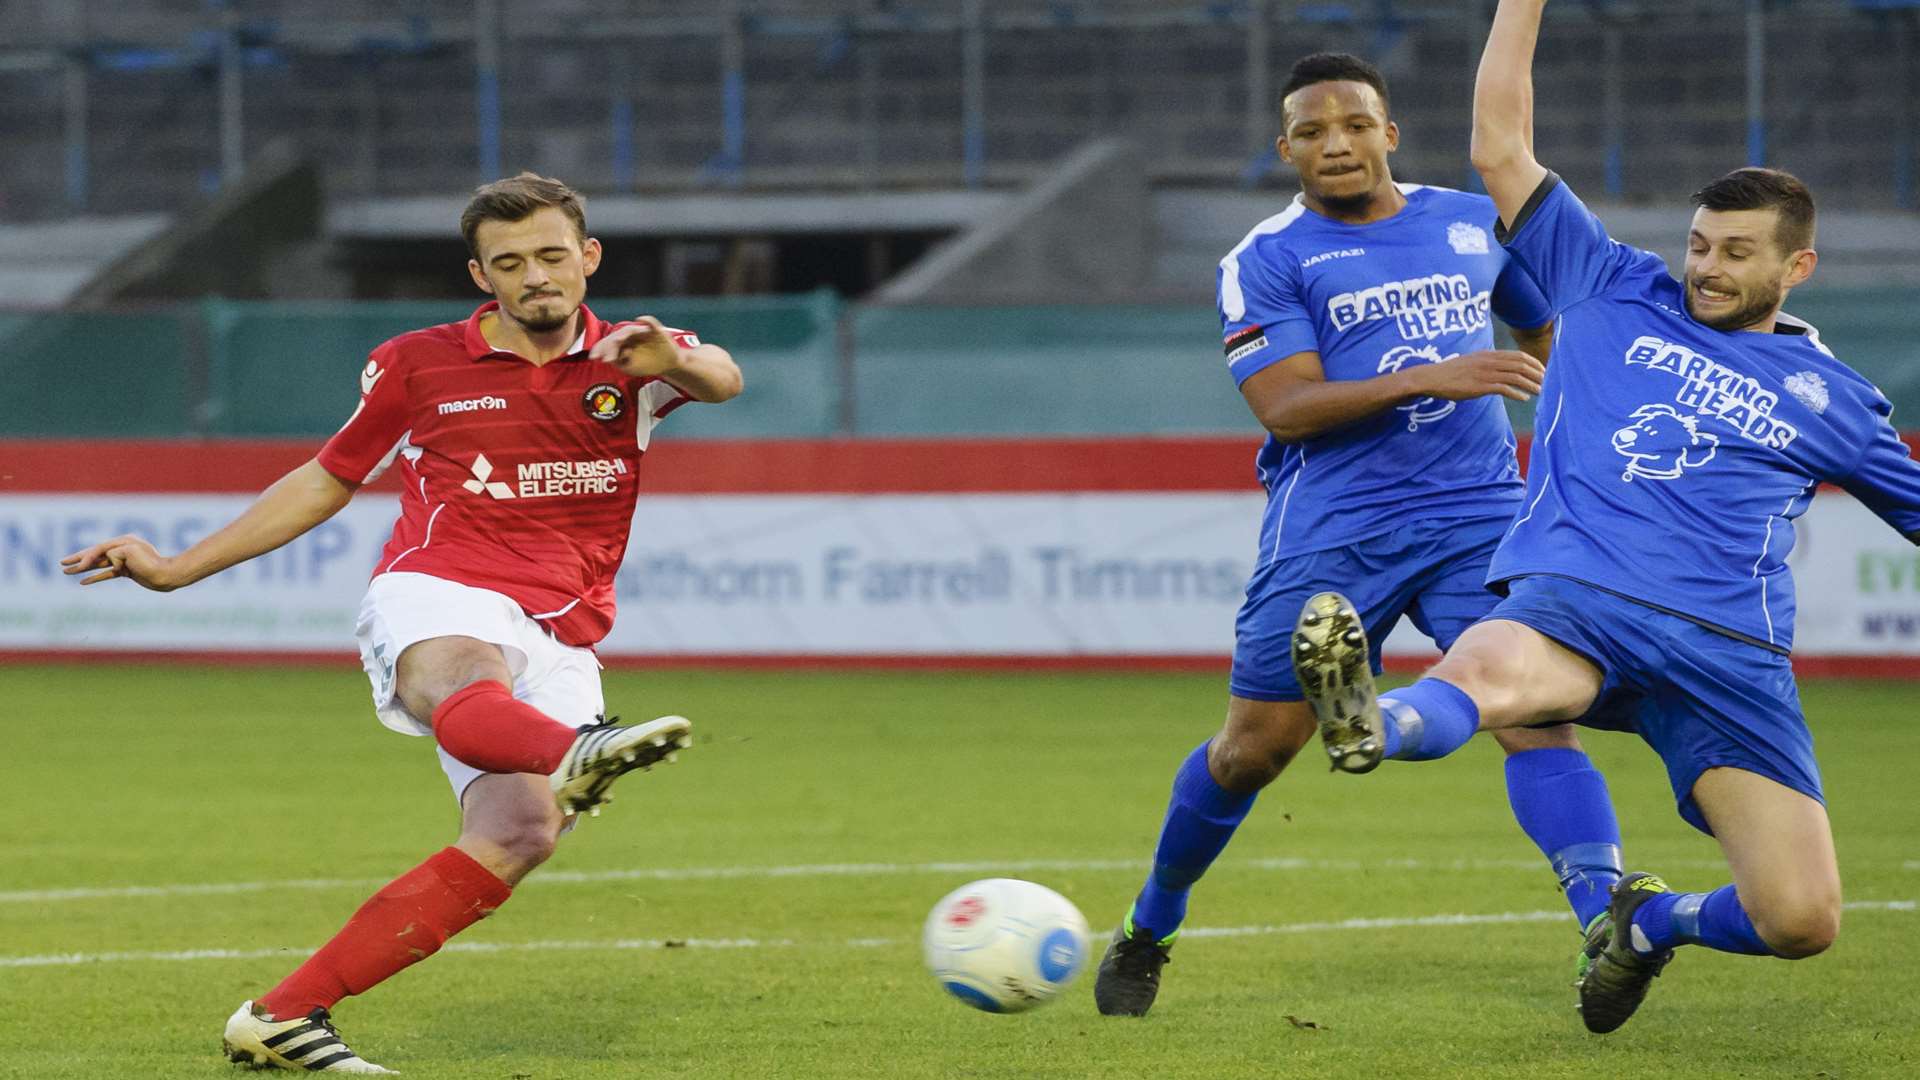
{"type": "Point", "coordinates": [295, 503]}
{"type": "Point", "coordinates": [645, 347]}
{"type": "Point", "coordinates": [1503, 109]}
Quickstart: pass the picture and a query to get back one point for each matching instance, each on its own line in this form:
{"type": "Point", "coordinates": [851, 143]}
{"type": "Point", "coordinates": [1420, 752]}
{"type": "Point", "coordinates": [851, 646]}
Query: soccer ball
{"type": "Point", "coordinates": [1005, 945]}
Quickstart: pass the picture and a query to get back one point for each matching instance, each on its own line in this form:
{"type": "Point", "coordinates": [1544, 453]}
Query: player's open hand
{"type": "Point", "coordinates": [643, 347]}
{"type": "Point", "coordinates": [1506, 372]}
{"type": "Point", "coordinates": [127, 557]}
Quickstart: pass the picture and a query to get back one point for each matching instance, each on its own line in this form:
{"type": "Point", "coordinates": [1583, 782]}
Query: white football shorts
{"type": "Point", "coordinates": [402, 608]}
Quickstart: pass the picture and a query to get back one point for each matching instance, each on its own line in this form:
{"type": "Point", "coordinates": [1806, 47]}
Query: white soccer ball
{"type": "Point", "coordinates": [1005, 945]}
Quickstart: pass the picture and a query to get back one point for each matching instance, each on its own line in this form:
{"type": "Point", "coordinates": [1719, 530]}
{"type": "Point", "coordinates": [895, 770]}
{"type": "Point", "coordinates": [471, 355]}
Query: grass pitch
{"type": "Point", "coordinates": [177, 838]}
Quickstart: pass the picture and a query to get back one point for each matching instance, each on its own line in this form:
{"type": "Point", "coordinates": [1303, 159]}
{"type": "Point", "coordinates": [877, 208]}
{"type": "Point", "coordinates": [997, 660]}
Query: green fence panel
{"type": "Point", "coordinates": [1877, 333]}
{"type": "Point", "coordinates": [289, 368]}
{"type": "Point", "coordinates": [789, 354]}
{"type": "Point", "coordinates": [96, 375]}
{"type": "Point", "coordinates": [1053, 370]}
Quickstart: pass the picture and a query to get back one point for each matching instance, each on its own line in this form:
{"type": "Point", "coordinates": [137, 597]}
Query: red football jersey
{"type": "Point", "coordinates": [517, 478]}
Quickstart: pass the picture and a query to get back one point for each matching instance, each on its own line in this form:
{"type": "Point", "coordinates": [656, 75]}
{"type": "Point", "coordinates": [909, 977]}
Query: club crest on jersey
{"type": "Point", "coordinates": [1808, 389]}
{"type": "Point", "coordinates": [1661, 444]}
{"type": "Point", "coordinates": [604, 401]}
{"type": "Point", "coordinates": [1422, 410]}
{"type": "Point", "coordinates": [1467, 239]}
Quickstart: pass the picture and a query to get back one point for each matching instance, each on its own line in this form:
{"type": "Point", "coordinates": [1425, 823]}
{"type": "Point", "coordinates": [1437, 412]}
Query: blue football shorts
{"type": "Point", "coordinates": [1433, 572]}
{"type": "Point", "coordinates": [1700, 698]}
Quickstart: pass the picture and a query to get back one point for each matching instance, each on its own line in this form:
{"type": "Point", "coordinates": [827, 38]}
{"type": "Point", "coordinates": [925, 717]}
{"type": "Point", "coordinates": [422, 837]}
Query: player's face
{"type": "Point", "coordinates": [1338, 137]}
{"type": "Point", "coordinates": [537, 267]}
{"type": "Point", "coordinates": [1737, 275]}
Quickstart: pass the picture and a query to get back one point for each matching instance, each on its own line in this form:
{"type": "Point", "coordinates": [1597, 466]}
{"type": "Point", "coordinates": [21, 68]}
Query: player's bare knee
{"type": "Point", "coordinates": [1258, 742]}
{"type": "Point", "coordinates": [1487, 676]}
{"type": "Point", "coordinates": [431, 671]}
{"type": "Point", "coordinates": [1243, 762]}
{"type": "Point", "coordinates": [523, 841]}
{"type": "Point", "coordinates": [1800, 930]}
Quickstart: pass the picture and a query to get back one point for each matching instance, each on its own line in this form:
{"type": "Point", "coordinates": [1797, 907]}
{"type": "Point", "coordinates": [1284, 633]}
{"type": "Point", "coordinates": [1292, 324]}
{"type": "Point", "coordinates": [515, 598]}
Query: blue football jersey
{"type": "Point", "coordinates": [1416, 288]}
{"type": "Point", "coordinates": [1671, 459]}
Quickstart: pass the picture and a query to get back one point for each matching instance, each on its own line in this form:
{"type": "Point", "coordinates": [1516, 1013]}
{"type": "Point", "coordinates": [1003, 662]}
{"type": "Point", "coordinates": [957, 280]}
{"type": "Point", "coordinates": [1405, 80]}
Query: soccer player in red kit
{"type": "Point", "coordinates": [518, 434]}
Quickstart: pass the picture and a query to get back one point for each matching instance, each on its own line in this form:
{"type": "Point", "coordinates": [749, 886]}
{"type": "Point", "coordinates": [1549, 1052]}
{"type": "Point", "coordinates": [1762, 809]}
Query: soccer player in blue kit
{"type": "Point", "coordinates": [1683, 426]}
{"type": "Point", "coordinates": [1357, 327]}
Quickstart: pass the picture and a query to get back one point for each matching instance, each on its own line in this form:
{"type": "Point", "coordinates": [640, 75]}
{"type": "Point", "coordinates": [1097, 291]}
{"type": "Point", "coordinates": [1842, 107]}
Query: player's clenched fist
{"type": "Point", "coordinates": [643, 347]}
{"type": "Point", "coordinates": [127, 557]}
{"type": "Point", "coordinates": [1478, 374]}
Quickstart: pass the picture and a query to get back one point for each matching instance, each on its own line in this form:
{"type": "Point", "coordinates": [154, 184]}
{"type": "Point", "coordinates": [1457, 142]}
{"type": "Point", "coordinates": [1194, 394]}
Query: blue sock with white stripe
{"type": "Point", "coordinates": [1201, 818]}
{"type": "Point", "coordinates": [1715, 919]}
{"type": "Point", "coordinates": [1562, 804]}
{"type": "Point", "coordinates": [1428, 720]}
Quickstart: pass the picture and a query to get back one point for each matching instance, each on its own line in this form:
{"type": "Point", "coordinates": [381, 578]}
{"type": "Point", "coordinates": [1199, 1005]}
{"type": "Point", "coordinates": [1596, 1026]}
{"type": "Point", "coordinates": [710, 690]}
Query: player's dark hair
{"type": "Point", "coordinates": [517, 197]}
{"type": "Point", "coordinates": [1765, 189]}
{"type": "Point", "coordinates": [1334, 67]}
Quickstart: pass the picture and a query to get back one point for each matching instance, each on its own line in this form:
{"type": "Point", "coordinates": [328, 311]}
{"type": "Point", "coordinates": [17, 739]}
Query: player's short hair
{"type": "Point", "coordinates": [1333, 67]}
{"type": "Point", "coordinates": [517, 197]}
{"type": "Point", "coordinates": [1765, 189]}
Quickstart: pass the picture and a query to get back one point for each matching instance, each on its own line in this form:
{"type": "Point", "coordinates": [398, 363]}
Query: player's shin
{"type": "Point", "coordinates": [405, 922]}
{"type": "Point", "coordinates": [1430, 719]}
{"type": "Point", "coordinates": [1562, 804]}
{"type": "Point", "coordinates": [1716, 920]}
{"type": "Point", "coordinates": [1201, 818]}
{"type": "Point", "coordinates": [482, 725]}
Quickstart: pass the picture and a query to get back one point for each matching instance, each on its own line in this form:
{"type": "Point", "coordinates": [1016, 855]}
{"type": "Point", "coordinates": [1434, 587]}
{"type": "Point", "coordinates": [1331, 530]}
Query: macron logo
{"type": "Point", "coordinates": [472, 405]}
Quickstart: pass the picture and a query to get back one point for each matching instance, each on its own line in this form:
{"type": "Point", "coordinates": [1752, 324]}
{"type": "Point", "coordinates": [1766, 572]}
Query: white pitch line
{"type": "Point", "coordinates": [866, 869]}
{"type": "Point", "coordinates": [487, 947]}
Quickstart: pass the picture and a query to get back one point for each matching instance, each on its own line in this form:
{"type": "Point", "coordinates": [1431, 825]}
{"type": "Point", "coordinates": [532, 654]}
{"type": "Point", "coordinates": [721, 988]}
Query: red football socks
{"type": "Point", "coordinates": [402, 924]}
{"type": "Point", "coordinates": [483, 726]}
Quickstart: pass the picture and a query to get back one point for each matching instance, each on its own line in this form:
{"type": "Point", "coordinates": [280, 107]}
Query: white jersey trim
{"type": "Point", "coordinates": [424, 541]}
{"type": "Point", "coordinates": [402, 446]}
{"type": "Point", "coordinates": [1812, 332]}
{"type": "Point", "coordinates": [1233, 301]}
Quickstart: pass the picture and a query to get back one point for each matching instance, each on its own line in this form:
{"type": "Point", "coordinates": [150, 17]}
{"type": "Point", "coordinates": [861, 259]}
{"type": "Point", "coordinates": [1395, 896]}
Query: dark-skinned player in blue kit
{"type": "Point", "coordinates": [1357, 324]}
{"type": "Point", "coordinates": [1683, 427]}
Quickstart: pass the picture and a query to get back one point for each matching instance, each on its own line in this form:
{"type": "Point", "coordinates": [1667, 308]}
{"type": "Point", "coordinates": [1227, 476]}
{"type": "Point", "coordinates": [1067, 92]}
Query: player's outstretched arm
{"type": "Point", "coordinates": [295, 503]}
{"type": "Point", "coordinates": [645, 347]}
{"type": "Point", "coordinates": [1503, 108]}
{"type": "Point", "coordinates": [1295, 400]}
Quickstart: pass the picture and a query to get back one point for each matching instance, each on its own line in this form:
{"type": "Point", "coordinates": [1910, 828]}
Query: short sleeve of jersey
{"type": "Point", "coordinates": [1563, 248]}
{"type": "Point", "coordinates": [1887, 480]}
{"type": "Point", "coordinates": [1263, 317]}
{"type": "Point", "coordinates": [1517, 301]}
{"type": "Point", "coordinates": [363, 447]}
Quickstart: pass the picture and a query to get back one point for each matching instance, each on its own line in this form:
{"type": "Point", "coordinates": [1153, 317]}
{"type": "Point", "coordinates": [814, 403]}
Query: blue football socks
{"type": "Point", "coordinates": [1713, 919]}
{"type": "Point", "coordinates": [1427, 720]}
{"type": "Point", "coordinates": [1562, 804]}
{"type": "Point", "coordinates": [1200, 820]}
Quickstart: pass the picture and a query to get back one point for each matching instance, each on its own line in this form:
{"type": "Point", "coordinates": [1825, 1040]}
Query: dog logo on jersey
{"type": "Point", "coordinates": [604, 401]}
{"type": "Point", "coordinates": [1809, 389]}
{"type": "Point", "coordinates": [1423, 410]}
{"type": "Point", "coordinates": [1661, 444]}
{"type": "Point", "coordinates": [1467, 239]}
